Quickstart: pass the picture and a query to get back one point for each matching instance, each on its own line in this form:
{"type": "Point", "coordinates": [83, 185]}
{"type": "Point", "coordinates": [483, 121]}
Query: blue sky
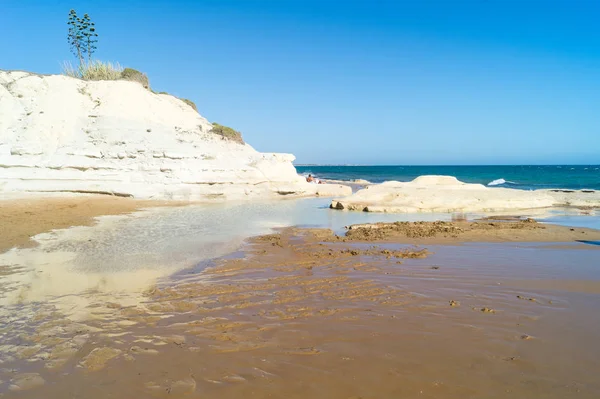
{"type": "Point", "coordinates": [359, 82]}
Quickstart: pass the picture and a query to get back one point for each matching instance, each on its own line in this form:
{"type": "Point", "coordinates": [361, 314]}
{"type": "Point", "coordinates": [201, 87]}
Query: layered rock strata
{"type": "Point", "coordinates": [60, 134]}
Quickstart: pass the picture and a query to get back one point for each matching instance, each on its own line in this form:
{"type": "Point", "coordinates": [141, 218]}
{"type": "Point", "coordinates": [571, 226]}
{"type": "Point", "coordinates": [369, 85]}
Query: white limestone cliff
{"type": "Point", "coordinates": [60, 134]}
{"type": "Point", "coordinates": [448, 194]}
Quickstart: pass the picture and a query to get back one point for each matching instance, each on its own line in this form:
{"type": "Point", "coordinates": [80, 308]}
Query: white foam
{"type": "Point", "coordinates": [497, 182]}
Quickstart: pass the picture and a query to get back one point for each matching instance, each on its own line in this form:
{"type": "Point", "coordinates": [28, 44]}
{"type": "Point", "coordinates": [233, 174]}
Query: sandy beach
{"type": "Point", "coordinates": [300, 200]}
{"type": "Point", "coordinates": [299, 313]}
{"type": "Point", "coordinates": [23, 218]}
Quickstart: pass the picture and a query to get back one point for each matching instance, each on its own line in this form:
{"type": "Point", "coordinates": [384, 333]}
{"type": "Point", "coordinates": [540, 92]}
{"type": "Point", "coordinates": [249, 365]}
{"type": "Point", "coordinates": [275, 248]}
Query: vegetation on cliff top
{"type": "Point", "coordinates": [227, 133]}
{"type": "Point", "coordinates": [82, 38]}
{"type": "Point", "coordinates": [135, 76]}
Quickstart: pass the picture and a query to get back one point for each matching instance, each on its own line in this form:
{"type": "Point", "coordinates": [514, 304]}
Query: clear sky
{"type": "Point", "coordinates": [358, 82]}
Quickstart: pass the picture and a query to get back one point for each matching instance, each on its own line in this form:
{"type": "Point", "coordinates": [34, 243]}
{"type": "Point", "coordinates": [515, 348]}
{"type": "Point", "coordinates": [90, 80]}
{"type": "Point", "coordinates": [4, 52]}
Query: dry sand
{"type": "Point", "coordinates": [21, 219]}
{"type": "Point", "coordinates": [299, 316]}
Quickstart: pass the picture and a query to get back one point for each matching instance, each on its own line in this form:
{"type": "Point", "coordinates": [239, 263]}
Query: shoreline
{"type": "Point", "coordinates": [306, 304]}
{"type": "Point", "coordinates": [25, 217]}
{"type": "Point", "coordinates": [22, 218]}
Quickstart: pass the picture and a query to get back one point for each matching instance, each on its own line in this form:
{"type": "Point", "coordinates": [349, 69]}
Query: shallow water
{"type": "Point", "coordinates": [268, 326]}
{"type": "Point", "coordinates": [123, 254]}
{"type": "Point", "coordinates": [62, 292]}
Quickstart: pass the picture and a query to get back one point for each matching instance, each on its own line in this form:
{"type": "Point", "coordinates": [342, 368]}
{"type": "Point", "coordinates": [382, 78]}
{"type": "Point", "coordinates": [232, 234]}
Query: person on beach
{"type": "Point", "coordinates": [310, 179]}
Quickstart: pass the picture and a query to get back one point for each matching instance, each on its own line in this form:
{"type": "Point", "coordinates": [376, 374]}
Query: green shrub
{"type": "Point", "coordinates": [190, 103]}
{"type": "Point", "coordinates": [135, 76]}
{"type": "Point", "coordinates": [185, 100]}
{"type": "Point", "coordinates": [227, 133]}
{"type": "Point", "coordinates": [93, 70]}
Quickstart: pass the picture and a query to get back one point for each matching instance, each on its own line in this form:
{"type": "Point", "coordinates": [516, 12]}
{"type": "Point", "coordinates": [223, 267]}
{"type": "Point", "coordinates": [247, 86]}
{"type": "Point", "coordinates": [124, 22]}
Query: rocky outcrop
{"type": "Point", "coordinates": [60, 134]}
{"type": "Point", "coordinates": [447, 194]}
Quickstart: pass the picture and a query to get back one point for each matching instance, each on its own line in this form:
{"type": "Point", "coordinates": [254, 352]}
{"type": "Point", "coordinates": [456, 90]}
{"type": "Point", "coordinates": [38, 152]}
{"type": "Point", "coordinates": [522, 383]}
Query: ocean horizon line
{"type": "Point", "coordinates": [439, 165]}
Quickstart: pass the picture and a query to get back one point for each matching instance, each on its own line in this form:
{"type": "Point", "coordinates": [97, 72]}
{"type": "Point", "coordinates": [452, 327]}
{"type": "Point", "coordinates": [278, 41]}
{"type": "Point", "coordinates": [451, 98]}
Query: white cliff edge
{"type": "Point", "coordinates": [447, 194]}
{"type": "Point", "coordinates": [60, 134]}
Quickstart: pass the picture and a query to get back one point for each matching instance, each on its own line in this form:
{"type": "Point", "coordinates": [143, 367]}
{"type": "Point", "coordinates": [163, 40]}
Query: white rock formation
{"type": "Point", "coordinates": [447, 194]}
{"type": "Point", "coordinates": [60, 134]}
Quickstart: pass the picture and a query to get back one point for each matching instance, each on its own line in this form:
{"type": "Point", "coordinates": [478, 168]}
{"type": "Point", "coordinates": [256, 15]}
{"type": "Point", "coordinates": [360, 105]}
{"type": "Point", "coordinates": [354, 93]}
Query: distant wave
{"type": "Point", "coordinates": [499, 182]}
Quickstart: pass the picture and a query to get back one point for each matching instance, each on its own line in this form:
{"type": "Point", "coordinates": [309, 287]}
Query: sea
{"type": "Point", "coordinates": [524, 177]}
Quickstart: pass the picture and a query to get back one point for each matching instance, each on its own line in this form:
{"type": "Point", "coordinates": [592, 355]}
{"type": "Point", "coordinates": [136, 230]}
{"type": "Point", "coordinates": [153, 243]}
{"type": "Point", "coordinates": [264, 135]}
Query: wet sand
{"type": "Point", "coordinates": [21, 219]}
{"type": "Point", "coordinates": [487, 230]}
{"type": "Point", "coordinates": [304, 314]}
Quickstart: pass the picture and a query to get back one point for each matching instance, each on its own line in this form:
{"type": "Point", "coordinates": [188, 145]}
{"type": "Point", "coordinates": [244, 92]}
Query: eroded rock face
{"type": "Point", "coordinates": [115, 137]}
{"type": "Point", "coordinates": [447, 194]}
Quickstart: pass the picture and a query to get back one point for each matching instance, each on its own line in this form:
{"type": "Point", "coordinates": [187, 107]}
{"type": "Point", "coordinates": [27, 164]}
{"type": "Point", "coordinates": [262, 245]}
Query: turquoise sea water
{"type": "Point", "coordinates": [526, 177]}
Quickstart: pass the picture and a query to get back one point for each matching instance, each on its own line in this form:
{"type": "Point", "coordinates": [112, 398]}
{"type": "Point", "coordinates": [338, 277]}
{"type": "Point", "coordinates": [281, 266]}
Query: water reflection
{"type": "Point", "coordinates": [124, 254]}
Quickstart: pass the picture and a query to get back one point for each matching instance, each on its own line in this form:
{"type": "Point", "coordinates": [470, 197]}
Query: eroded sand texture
{"type": "Point", "coordinates": [305, 314]}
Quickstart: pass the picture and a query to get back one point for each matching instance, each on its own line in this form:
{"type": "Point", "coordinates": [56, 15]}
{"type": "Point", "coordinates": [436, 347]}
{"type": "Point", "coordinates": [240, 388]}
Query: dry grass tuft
{"type": "Point", "coordinates": [94, 70]}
